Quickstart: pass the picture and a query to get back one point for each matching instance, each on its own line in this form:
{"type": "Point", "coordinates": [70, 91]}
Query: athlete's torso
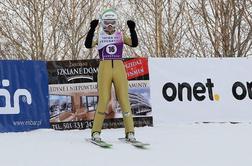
{"type": "Point", "coordinates": [110, 47]}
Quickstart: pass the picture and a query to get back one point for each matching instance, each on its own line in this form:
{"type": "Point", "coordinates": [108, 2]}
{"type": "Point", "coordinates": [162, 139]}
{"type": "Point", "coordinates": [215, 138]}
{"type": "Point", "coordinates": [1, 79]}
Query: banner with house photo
{"type": "Point", "coordinates": [73, 95]}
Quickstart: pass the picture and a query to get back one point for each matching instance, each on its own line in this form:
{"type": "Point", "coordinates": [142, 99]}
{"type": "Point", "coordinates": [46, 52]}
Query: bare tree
{"type": "Point", "coordinates": [46, 29]}
{"type": "Point", "coordinates": [26, 27]}
{"type": "Point", "coordinates": [161, 26]}
{"type": "Point", "coordinates": [74, 24]}
{"type": "Point", "coordinates": [219, 28]}
{"type": "Point", "coordinates": [248, 19]}
{"type": "Point", "coordinates": [51, 30]}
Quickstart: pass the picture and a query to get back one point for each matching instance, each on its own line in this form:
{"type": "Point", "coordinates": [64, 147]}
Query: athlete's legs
{"type": "Point", "coordinates": [121, 88]}
{"type": "Point", "coordinates": [104, 90]}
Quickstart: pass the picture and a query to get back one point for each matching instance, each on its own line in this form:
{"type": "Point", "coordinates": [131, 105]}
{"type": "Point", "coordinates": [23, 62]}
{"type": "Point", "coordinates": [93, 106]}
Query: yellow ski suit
{"type": "Point", "coordinates": [113, 71]}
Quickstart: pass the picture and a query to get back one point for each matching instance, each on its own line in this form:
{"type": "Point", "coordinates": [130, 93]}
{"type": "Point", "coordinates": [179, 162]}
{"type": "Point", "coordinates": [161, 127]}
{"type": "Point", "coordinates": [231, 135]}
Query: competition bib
{"type": "Point", "coordinates": [110, 46]}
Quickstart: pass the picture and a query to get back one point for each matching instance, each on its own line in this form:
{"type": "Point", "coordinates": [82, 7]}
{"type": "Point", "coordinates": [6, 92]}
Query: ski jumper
{"type": "Point", "coordinates": [112, 70]}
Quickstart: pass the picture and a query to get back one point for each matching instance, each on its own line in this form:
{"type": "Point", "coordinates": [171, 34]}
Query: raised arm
{"type": "Point", "coordinates": [89, 42]}
{"type": "Point", "coordinates": [133, 40]}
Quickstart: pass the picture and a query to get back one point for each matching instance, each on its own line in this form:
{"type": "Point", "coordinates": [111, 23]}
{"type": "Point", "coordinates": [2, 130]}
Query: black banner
{"type": "Point", "coordinates": [73, 95]}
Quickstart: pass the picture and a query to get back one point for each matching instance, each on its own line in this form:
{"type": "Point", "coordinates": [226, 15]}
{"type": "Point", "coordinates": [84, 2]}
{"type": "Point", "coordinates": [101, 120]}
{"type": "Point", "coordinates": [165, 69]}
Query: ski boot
{"type": "Point", "coordinates": [96, 137]}
{"type": "Point", "coordinates": [130, 137]}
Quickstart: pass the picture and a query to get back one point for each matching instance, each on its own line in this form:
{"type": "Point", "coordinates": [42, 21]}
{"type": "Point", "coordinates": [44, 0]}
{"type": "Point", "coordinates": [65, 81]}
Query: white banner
{"type": "Point", "coordinates": [201, 90]}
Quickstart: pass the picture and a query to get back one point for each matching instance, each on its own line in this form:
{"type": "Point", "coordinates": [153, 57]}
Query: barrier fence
{"type": "Point", "coordinates": [201, 90]}
{"type": "Point", "coordinates": [63, 94]}
{"type": "Point", "coordinates": [23, 95]}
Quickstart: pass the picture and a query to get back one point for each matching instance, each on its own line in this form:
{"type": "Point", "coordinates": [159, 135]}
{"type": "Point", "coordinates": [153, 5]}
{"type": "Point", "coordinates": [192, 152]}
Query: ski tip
{"type": "Point", "coordinates": [143, 146]}
{"type": "Point", "coordinates": [137, 144]}
{"type": "Point", "coordinates": [102, 144]}
{"type": "Point", "coordinates": [106, 146]}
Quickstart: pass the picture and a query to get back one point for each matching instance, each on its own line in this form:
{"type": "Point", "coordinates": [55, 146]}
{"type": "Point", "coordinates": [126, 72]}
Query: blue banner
{"type": "Point", "coordinates": [23, 95]}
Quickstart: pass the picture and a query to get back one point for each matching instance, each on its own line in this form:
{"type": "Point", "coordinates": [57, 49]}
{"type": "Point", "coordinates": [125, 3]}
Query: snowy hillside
{"type": "Point", "coordinates": [175, 145]}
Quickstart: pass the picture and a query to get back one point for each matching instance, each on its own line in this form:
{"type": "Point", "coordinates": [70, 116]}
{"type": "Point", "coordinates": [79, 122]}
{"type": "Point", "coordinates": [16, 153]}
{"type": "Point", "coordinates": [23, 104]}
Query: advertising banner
{"type": "Point", "coordinates": [73, 95]}
{"type": "Point", "coordinates": [23, 95]}
{"type": "Point", "coordinates": [201, 90]}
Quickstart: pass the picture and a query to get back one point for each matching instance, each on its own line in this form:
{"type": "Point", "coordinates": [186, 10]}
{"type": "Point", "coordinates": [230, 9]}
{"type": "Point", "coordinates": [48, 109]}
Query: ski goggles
{"type": "Point", "coordinates": [109, 22]}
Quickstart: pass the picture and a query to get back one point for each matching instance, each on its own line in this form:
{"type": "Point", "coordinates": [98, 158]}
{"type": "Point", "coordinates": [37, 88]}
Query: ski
{"type": "Point", "coordinates": [135, 143]}
{"type": "Point", "coordinates": [102, 144]}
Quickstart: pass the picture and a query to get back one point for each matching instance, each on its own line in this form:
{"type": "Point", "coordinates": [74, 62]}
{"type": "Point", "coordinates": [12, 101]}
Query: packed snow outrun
{"type": "Point", "coordinates": [171, 144]}
{"type": "Point", "coordinates": [125, 83]}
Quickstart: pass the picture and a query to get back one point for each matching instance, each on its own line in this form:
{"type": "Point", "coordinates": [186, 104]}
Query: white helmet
{"type": "Point", "coordinates": [109, 18]}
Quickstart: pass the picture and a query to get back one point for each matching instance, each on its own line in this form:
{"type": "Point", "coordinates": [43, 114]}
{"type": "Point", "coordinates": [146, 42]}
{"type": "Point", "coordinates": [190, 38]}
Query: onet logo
{"type": "Point", "coordinates": [199, 91]}
{"type": "Point", "coordinates": [240, 91]}
{"type": "Point", "coordinates": [8, 109]}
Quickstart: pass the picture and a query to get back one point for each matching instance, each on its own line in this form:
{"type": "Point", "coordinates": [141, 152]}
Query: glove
{"type": "Point", "coordinates": [94, 24]}
{"type": "Point", "coordinates": [90, 34]}
{"type": "Point", "coordinates": [131, 24]}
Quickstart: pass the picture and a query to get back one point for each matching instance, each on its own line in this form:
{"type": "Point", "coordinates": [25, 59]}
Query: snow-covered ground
{"type": "Point", "coordinates": [171, 145]}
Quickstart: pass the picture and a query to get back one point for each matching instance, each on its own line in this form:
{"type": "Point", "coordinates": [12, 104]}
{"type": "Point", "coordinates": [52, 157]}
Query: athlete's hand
{"type": "Point", "coordinates": [131, 24]}
{"type": "Point", "coordinates": [94, 24]}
